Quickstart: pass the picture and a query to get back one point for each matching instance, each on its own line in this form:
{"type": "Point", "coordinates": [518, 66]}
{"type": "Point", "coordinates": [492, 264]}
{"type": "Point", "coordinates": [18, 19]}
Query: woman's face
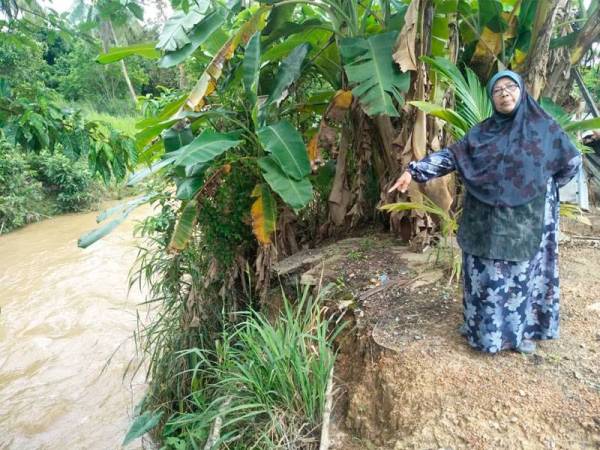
{"type": "Point", "coordinates": [505, 95]}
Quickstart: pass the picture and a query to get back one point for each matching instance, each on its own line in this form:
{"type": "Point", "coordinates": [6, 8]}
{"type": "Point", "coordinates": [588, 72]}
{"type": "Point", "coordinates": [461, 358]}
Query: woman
{"type": "Point", "coordinates": [512, 165]}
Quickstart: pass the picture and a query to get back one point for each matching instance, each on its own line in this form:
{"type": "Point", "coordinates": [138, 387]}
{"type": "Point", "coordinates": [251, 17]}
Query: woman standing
{"type": "Point", "coordinates": [512, 165]}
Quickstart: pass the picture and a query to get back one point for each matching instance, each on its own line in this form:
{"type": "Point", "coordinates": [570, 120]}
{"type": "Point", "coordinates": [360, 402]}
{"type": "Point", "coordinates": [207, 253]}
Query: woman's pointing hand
{"type": "Point", "coordinates": [402, 183]}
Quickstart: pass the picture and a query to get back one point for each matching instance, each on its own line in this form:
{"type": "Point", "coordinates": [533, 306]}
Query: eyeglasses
{"type": "Point", "coordinates": [508, 88]}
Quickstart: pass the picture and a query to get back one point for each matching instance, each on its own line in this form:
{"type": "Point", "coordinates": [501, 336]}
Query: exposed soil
{"type": "Point", "coordinates": [406, 379]}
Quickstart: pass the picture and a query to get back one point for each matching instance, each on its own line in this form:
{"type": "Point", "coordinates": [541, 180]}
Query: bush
{"type": "Point", "coordinates": [20, 194]}
{"type": "Point", "coordinates": [68, 182]}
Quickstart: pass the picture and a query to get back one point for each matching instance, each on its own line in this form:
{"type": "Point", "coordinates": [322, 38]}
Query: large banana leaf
{"type": "Point", "coordinates": [200, 33]}
{"type": "Point", "coordinates": [185, 226]}
{"type": "Point", "coordinates": [370, 68]}
{"type": "Point", "coordinates": [287, 149]}
{"type": "Point", "coordinates": [175, 31]}
{"type": "Point", "coordinates": [289, 72]}
{"type": "Point", "coordinates": [120, 211]}
{"type": "Point", "coordinates": [440, 30]}
{"type": "Point", "coordinates": [174, 139]}
{"type": "Point", "coordinates": [251, 67]}
{"type": "Point", "coordinates": [118, 53]}
{"type": "Point", "coordinates": [251, 73]}
{"type": "Point", "coordinates": [206, 147]}
{"type": "Point", "coordinates": [295, 193]}
{"type": "Point", "coordinates": [188, 187]}
{"type": "Point", "coordinates": [147, 171]}
{"type": "Point", "coordinates": [208, 80]}
{"type": "Point", "coordinates": [316, 37]}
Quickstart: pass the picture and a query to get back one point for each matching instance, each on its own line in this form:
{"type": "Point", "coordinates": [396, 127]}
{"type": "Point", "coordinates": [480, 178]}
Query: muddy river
{"type": "Point", "coordinates": [64, 313]}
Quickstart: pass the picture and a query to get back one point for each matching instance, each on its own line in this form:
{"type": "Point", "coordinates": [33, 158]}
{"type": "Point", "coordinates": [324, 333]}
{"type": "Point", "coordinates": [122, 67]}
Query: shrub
{"type": "Point", "coordinates": [20, 193]}
{"type": "Point", "coordinates": [68, 182]}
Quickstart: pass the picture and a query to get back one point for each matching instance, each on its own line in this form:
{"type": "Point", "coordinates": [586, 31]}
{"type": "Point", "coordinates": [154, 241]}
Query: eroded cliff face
{"type": "Point", "coordinates": [406, 379]}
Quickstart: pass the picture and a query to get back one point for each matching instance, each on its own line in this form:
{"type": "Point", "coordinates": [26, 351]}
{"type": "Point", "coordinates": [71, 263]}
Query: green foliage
{"type": "Point", "coordinates": [117, 214]}
{"type": "Point", "coordinates": [377, 80]}
{"type": "Point", "coordinates": [44, 125]}
{"type": "Point", "coordinates": [21, 58]}
{"type": "Point", "coordinates": [35, 185]}
{"type": "Point", "coordinates": [265, 380]}
{"type": "Point", "coordinates": [150, 105]}
{"type": "Point", "coordinates": [223, 219]}
{"type": "Point", "coordinates": [68, 182]}
{"type": "Point", "coordinates": [20, 193]}
{"type": "Point", "coordinates": [82, 79]}
{"type": "Point", "coordinates": [118, 53]}
{"type": "Point", "coordinates": [142, 424]}
{"type": "Point", "coordinates": [124, 124]}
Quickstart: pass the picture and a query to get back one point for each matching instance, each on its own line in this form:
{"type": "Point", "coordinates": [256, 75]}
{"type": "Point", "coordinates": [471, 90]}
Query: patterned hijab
{"type": "Point", "coordinates": [507, 159]}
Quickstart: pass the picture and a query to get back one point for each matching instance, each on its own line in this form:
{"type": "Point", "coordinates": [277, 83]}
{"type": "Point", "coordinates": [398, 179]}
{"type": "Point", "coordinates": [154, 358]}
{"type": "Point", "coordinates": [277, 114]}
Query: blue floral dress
{"type": "Point", "coordinates": [507, 301]}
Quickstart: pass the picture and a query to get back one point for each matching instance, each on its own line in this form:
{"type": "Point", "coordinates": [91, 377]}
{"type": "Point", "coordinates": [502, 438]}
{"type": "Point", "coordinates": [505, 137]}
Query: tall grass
{"type": "Point", "coordinates": [125, 124]}
{"type": "Point", "coordinates": [265, 382]}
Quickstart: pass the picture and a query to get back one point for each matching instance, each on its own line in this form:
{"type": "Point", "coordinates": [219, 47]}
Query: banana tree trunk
{"type": "Point", "coordinates": [536, 65]}
{"type": "Point", "coordinates": [563, 58]}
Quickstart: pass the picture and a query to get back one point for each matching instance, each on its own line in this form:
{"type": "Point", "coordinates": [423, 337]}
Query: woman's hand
{"type": "Point", "coordinates": [402, 183]}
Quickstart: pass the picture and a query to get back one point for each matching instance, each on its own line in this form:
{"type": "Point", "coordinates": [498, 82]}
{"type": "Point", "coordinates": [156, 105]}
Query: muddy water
{"type": "Point", "coordinates": [64, 313]}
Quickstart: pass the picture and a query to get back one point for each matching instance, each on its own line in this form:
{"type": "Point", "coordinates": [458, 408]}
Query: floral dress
{"type": "Point", "coordinates": [507, 301]}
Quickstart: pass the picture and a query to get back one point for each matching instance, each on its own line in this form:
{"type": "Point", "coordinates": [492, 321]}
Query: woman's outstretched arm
{"type": "Point", "coordinates": [435, 165]}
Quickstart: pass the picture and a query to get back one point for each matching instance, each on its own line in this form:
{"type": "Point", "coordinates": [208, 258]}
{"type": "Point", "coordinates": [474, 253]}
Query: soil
{"type": "Point", "coordinates": [406, 379]}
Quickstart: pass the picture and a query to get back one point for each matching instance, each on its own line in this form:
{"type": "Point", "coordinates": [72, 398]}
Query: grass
{"type": "Point", "coordinates": [265, 381]}
{"type": "Point", "coordinates": [125, 124]}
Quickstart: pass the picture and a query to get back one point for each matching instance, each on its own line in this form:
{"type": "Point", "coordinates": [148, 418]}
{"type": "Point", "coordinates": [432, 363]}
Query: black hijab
{"type": "Point", "coordinates": [507, 159]}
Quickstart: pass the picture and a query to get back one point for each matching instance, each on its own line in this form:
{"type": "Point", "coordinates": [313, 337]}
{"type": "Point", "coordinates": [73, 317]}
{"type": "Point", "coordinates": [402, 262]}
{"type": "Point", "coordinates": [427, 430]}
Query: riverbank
{"type": "Point", "coordinates": [406, 379]}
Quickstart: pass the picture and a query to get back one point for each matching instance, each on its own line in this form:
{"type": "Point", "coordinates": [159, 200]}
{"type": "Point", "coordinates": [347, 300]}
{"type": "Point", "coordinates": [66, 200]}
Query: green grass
{"type": "Point", "coordinates": [125, 124]}
{"type": "Point", "coordinates": [265, 380]}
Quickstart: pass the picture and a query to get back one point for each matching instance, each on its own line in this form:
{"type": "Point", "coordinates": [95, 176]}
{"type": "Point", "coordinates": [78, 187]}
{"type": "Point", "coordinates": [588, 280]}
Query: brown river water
{"type": "Point", "coordinates": [64, 312]}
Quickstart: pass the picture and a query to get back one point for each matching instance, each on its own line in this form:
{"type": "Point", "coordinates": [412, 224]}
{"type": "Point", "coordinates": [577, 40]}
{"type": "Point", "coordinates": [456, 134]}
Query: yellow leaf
{"type": "Point", "coordinates": [518, 58]}
{"type": "Point", "coordinates": [264, 214]}
{"type": "Point", "coordinates": [207, 82]}
{"type": "Point", "coordinates": [313, 149]}
{"type": "Point", "coordinates": [489, 44]}
{"type": "Point", "coordinates": [342, 99]}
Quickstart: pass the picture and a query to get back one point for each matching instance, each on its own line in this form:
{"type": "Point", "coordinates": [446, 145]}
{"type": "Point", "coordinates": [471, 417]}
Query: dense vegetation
{"type": "Point", "coordinates": [266, 126]}
{"type": "Point", "coordinates": [64, 119]}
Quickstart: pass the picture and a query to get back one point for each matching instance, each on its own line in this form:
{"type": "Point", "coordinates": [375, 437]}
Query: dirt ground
{"type": "Point", "coordinates": [406, 379]}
